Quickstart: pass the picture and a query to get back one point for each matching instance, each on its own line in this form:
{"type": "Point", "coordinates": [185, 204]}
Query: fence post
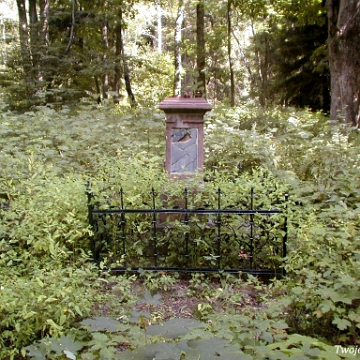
{"type": "Point", "coordinates": [218, 224]}
{"type": "Point", "coordinates": [285, 237]}
{"type": "Point", "coordinates": [122, 224]}
{"type": "Point", "coordinates": [90, 208]}
{"type": "Point", "coordinates": [155, 254]}
{"type": "Point", "coordinates": [186, 222]}
{"type": "Point", "coordinates": [251, 257]}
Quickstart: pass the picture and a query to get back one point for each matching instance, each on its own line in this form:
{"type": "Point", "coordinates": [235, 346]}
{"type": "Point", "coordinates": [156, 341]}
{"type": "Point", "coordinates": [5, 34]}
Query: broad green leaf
{"type": "Point", "coordinates": [342, 324]}
{"type": "Point", "coordinates": [174, 328]}
{"type": "Point", "coordinates": [148, 298]}
{"type": "Point", "coordinates": [215, 348]}
{"type": "Point", "coordinates": [101, 323]}
{"type": "Point", "coordinates": [158, 351]}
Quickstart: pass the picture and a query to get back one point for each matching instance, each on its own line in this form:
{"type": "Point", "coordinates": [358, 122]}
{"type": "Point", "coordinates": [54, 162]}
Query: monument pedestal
{"type": "Point", "coordinates": [184, 134]}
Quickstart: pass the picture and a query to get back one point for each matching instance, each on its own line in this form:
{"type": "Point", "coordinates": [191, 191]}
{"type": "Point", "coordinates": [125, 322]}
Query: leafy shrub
{"type": "Point", "coordinates": [47, 157]}
{"type": "Point", "coordinates": [45, 215]}
{"type": "Point", "coordinates": [47, 301]}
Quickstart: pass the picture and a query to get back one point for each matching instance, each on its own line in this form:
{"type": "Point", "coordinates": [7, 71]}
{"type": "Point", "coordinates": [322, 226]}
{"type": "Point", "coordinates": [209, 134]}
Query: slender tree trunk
{"type": "Point", "coordinates": [3, 42]}
{"type": "Point", "coordinates": [105, 41]}
{"type": "Point", "coordinates": [178, 41]}
{"type": "Point", "coordinates": [35, 47]}
{"type": "Point", "coordinates": [117, 77]}
{"type": "Point", "coordinates": [24, 37]}
{"type": "Point", "coordinates": [44, 18]}
{"type": "Point", "coordinates": [120, 48]}
{"type": "Point", "coordinates": [344, 55]}
{"type": "Point", "coordinates": [264, 65]}
{"type": "Point", "coordinates": [200, 39]}
{"type": "Point", "coordinates": [33, 27]}
{"type": "Point", "coordinates": [98, 90]}
{"type": "Point", "coordinates": [229, 49]}
{"type": "Point", "coordinates": [47, 70]}
{"type": "Point", "coordinates": [159, 27]}
{"type": "Point", "coordinates": [72, 29]}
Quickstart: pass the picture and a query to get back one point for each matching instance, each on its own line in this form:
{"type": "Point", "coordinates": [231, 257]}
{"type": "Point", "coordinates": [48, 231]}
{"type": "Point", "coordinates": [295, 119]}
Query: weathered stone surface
{"type": "Point", "coordinates": [184, 152]}
{"type": "Point", "coordinates": [180, 105]}
{"type": "Point", "coordinates": [184, 133]}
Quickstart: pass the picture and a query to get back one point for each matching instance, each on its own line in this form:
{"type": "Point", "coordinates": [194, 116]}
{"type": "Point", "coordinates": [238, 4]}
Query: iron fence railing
{"type": "Point", "coordinates": [185, 239]}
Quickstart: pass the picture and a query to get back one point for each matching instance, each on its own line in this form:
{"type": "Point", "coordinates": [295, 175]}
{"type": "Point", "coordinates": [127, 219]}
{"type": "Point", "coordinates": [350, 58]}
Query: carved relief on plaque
{"type": "Point", "coordinates": [184, 150]}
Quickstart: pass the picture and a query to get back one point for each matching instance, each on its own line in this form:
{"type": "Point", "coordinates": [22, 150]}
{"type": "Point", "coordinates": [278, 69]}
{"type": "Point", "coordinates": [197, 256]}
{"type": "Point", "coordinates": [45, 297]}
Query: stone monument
{"type": "Point", "coordinates": [184, 134]}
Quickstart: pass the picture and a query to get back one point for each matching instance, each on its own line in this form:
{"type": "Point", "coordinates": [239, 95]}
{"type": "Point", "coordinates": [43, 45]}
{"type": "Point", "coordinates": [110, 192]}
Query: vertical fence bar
{"type": "Point", "coordinates": [155, 254]}
{"type": "Point", "coordinates": [90, 217]}
{"type": "Point", "coordinates": [251, 257]}
{"type": "Point", "coordinates": [186, 222]}
{"type": "Point", "coordinates": [123, 226]}
{"type": "Point", "coordinates": [218, 224]}
{"type": "Point", "coordinates": [89, 205]}
{"type": "Point", "coordinates": [285, 237]}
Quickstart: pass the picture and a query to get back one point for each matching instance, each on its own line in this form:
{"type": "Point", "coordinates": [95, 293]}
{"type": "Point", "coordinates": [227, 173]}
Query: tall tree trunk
{"type": "Point", "coordinates": [44, 19]}
{"type": "Point", "coordinates": [3, 42]}
{"type": "Point", "coordinates": [344, 55]}
{"type": "Point", "coordinates": [35, 42]}
{"type": "Point", "coordinates": [105, 41]}
{"type": "Point", "coordinates": [47, 70]}
{"type": "Point", "coordinates": [229, 49]}
{"type": "Point", "coordinates": [24, 38]}
{"type": "Point", "coordinates": [200, 39]}
{"type": "Point", "coordinates": [178, 41]}
{"type": "Point", "coordinates": [125, 68]}
{"type": "Point", "coordinates": [118, 72]}
{"type": "Point", "coordinates": [72, 29]}
{"type": "Point", "coordinates": [264, 66]}
{"type": "Point", "coordinates": [260, 66]}
{"type": "Point", "coordinates": [33, 26]}
{"type": "Point", "coordinates": [159, 27]}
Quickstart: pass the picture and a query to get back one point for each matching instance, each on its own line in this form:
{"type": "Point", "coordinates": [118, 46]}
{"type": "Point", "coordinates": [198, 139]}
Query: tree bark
{"type": "Point", "coordinates": [117, 77]}
{"type": "Point", "coordinates": [33, 28]}
{"type": "Point", "coordinates": [44, 18]}
{"type": "Point", "coordinates": [229, 49]}
{"type": "Point", "coordinates": [200, 39]}
{"type": "Point", "coordinates": [105, 41]}
{"type": "Point", "coordinates": [178, 41]}
{"type": "Point", "coordinates": [72, 29]}
{"type": "Point", "coordinates": [159, 27]}
{"type": "Point", "coordinates": [344, 59]}
{"type": "Point", "coordinates": [264, 65]}
{"type": "Point", "coordinates": [120, 47]}
{"type": "Point", "coordinates": [24, 37]}
{"type": "Point", "coordinates": [35, 48]}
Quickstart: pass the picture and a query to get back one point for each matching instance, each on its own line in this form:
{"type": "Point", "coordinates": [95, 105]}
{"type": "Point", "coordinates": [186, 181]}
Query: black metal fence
{"type": "Point", "coordinates": [186, 239]}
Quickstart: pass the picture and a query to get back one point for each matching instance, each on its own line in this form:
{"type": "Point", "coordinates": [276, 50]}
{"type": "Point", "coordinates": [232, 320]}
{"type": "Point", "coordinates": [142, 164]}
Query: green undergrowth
{"type": "Point", "coordinates": [226, 317]}
{"type": "Point", "coordinates": [56, 304]}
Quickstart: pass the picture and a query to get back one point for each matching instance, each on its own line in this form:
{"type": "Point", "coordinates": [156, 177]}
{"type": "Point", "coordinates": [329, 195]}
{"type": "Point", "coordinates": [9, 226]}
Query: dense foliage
{"type": "Point", "coordinates": [48, 284]}
{"type": "Point", "coordinates": [117, 50]}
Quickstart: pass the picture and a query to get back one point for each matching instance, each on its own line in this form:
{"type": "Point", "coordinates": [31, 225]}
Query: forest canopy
{"type": "Point", "coordinates": [133, 52]}
{"type": "Point", "coordinates": [139, 52]}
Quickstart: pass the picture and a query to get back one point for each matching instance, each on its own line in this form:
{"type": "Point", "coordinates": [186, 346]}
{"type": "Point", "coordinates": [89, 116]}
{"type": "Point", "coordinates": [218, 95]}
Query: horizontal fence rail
{"type": "Point", "coordinates": [187, 239]}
